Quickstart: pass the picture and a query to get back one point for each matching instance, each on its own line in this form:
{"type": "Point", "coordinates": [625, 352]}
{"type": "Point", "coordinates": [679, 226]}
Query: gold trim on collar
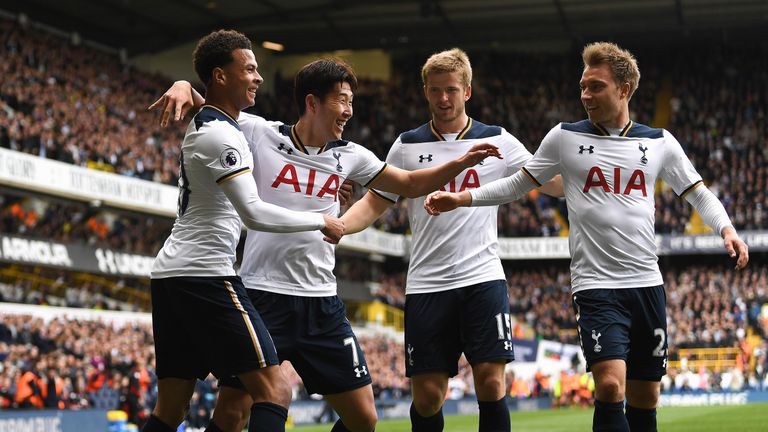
{"type": "Point", "coordinates": [601, 129]}
{"type": "Point", "coordinates": [434, 131]}
{"type": "Point", "coordinates": [466, 129]}
{"type": "Point", "coordinates": [626, 129]}
{"type": "Point", "coordinates": [297, 141]}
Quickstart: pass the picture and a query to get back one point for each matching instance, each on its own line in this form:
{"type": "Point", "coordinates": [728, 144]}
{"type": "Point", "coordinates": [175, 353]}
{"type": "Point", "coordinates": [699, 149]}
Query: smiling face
{"type": "Point", "coordinates": [605, 100]}
{"type": "Point", "coordinates": [446, 95]}
{"type": "Point", "coordinates": [242, 78]}
{"type": "Point", "coordinates": [334, 111]}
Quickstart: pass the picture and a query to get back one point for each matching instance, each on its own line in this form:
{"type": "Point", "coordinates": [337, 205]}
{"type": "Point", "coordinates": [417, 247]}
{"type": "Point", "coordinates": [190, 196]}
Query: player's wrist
{"type": "Point", "coordinates": [465, 199]}
{"type": "Point", "coordinates": [463, 161]}
{"type": "Point", "coordinates": [728, 231]}
{"type": "Point", "coordinates": [324, 221]}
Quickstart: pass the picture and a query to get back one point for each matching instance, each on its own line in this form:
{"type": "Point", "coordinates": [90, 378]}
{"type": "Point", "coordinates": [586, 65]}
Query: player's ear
{"type": "Point", "coordinates": [625, 90]}
{"type": "Point", "coordinates": [218, 76]}
{"type": "Point", "coordinates": [310, 103]}
{"type": "Point", "coordinates": [468, 93]}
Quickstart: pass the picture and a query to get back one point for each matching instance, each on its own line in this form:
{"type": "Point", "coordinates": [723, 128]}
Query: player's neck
{"type": "Point", "coordinates": [451, 127]}
{"type": "Point", "coordinates": [223, 104]}
{"type": "Point", "coordinates": [307, 136]}
{"type": "Point", "coordinates": [618, 122]}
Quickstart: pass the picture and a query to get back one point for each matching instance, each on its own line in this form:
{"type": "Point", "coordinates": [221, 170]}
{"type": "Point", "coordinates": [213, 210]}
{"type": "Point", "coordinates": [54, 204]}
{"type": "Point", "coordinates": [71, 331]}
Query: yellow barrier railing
{"type": "Point", "coordinates": [376, 312]}
{"type": "Point", "coordinates": [716, 359]}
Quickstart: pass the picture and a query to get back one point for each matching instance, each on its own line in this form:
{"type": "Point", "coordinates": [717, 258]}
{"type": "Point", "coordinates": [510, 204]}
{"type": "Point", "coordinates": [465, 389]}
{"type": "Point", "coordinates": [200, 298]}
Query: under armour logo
{"type": "Point", "coordinates": [283, 147]}
{"type": "Point", "coordinates": [508, 345]}
{"type": "Point", "coordinates": [643, 159]}
{"type": "Point", "coordinates": [410, 355]}
{"type": "Point", "coordinates": [591, 149]}
{"type": "Point", "coordinates": [423, 158]}
{"type": "Point", "coordinates": [337, 156]}
{"type": "Point", "coordinates": [596, 337]}
{"type": "Point", "coordinates": [362, 370]}
{"type": "Point", "coordinates": [664, 365]}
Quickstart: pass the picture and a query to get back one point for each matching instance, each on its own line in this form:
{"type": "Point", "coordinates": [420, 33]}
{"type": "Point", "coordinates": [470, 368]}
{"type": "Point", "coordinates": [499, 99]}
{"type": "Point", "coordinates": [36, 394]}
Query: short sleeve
{"type": "Point", "coordinates": [222, 150]}
{"type": "Point", "coordinates": [515, 153]}
{"type": "Point", "coordinates": [676, 169]}
{"type": "Point", "coordinates": [368, 166]}
{"type": "Point", "coordinates": [394, 158]}
{"type": "Point", "coordinates": [545, 163]}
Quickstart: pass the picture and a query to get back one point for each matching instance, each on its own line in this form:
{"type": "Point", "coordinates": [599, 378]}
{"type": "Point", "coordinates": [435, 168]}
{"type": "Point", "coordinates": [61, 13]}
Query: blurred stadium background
{"type": "Point", "coordinates": [88, 186]}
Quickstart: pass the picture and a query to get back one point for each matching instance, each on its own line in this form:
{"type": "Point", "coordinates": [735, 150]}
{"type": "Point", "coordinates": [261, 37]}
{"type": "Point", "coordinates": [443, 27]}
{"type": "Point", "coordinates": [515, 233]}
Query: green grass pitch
{"type": "Point", "coordinates": [742, 418]}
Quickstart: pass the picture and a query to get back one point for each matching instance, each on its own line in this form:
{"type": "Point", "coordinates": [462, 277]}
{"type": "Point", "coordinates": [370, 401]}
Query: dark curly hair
{"type": "Point", "coordinates": [215, 50]}
{"type": "Point", "coordinates": [319, 78]}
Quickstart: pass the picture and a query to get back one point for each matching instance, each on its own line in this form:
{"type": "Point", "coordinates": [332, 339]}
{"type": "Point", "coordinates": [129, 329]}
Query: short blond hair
{"type": "Point", "coordinates": [448, 61]}
{"type": "Point", "coordinates": [622, 63]}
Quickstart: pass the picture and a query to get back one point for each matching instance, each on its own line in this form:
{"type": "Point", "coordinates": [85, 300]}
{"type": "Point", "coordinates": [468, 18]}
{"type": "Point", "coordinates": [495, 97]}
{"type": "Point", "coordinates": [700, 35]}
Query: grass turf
{"type": "Point", "coordinates": [742, 418]}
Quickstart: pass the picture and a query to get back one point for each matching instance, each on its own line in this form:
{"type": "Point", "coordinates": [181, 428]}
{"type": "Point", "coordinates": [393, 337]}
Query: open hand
{"type": "Point", "coordinates": [479, 152]}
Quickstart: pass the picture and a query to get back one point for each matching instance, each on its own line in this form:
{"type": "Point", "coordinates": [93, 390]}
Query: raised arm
{"type": "Point", "coordinates": [177, 101]}
{"type": "Point", "coordinates": [413, 184]}
{"type": "Point", "coordinates": [713, 214]}
{"type": "Point", "coordinates": [259, 215]}
{"type": "Point", "coordinates": [364, 212]}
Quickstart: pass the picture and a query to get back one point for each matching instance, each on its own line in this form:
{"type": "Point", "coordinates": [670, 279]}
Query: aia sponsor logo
{"type": "Point", "coordinates": [597, 179]}
{"type": "Point", "coordinates": [471, 180]}
{"type": "Point", "coordinates": [304, 181]}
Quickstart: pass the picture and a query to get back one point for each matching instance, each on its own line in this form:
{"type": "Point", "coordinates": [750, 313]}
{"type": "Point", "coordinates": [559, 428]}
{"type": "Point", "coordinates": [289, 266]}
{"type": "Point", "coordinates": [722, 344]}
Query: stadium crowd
{"type": "Point", "coordinates": [79, 105]}
{"type": "Point", "coordinates": [719, 106]}
{"type": "Point", "coordinates": [74, 222]}
{"type": "Point", "coordinates": [73, 364]}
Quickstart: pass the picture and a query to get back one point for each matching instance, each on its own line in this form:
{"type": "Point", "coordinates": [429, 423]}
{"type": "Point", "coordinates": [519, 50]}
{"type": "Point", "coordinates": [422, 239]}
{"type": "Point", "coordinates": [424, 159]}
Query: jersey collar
{"type": "Point", "coordinates": [297, 141]}
{"type": "Point", "coordinates": [461, 134]}
{"type": "Point", "coordinates": [227, 117]}
{"type": "Point", "coordinates": [602, 131]}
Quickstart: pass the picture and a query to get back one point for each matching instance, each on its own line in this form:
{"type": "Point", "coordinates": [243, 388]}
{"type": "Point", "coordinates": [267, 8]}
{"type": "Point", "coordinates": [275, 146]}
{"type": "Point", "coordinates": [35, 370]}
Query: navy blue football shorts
{"type": "Point", "coordinates": [313, 333]}
{"type": "Point", "coordinates": [440, 326]}
{"type": "Point", "coordinates": [207, 324]}
{"type": "Point", "coordinates": [628, 324]}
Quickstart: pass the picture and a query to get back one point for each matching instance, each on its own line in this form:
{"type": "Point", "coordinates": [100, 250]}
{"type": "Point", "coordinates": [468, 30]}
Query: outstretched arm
{"type": "Point", "coordinates": [413, 184]}
{"type": "Point", "coordinates": [263, 216]}
{"type": "Point", "coordinates": [177, 101]}
{"type": "Point", "coordinates": [554, 187]}
{"type": "Point", "coordinates": [497, 192]}
{"type": "Point", "coordinates": [713, 213]}
{"type": "Point", "coordinates": [364, 212]}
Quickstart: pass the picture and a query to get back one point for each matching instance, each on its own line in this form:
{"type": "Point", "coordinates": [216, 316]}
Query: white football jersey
{"type": "Point", "coordinates": [609, 187]}
{"type": "Point", "coordinates": [459, 248]}
{"type": "Point", "coordinates": [287, 175]}
{"type": "Point", "coordinates": [207, 228]}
